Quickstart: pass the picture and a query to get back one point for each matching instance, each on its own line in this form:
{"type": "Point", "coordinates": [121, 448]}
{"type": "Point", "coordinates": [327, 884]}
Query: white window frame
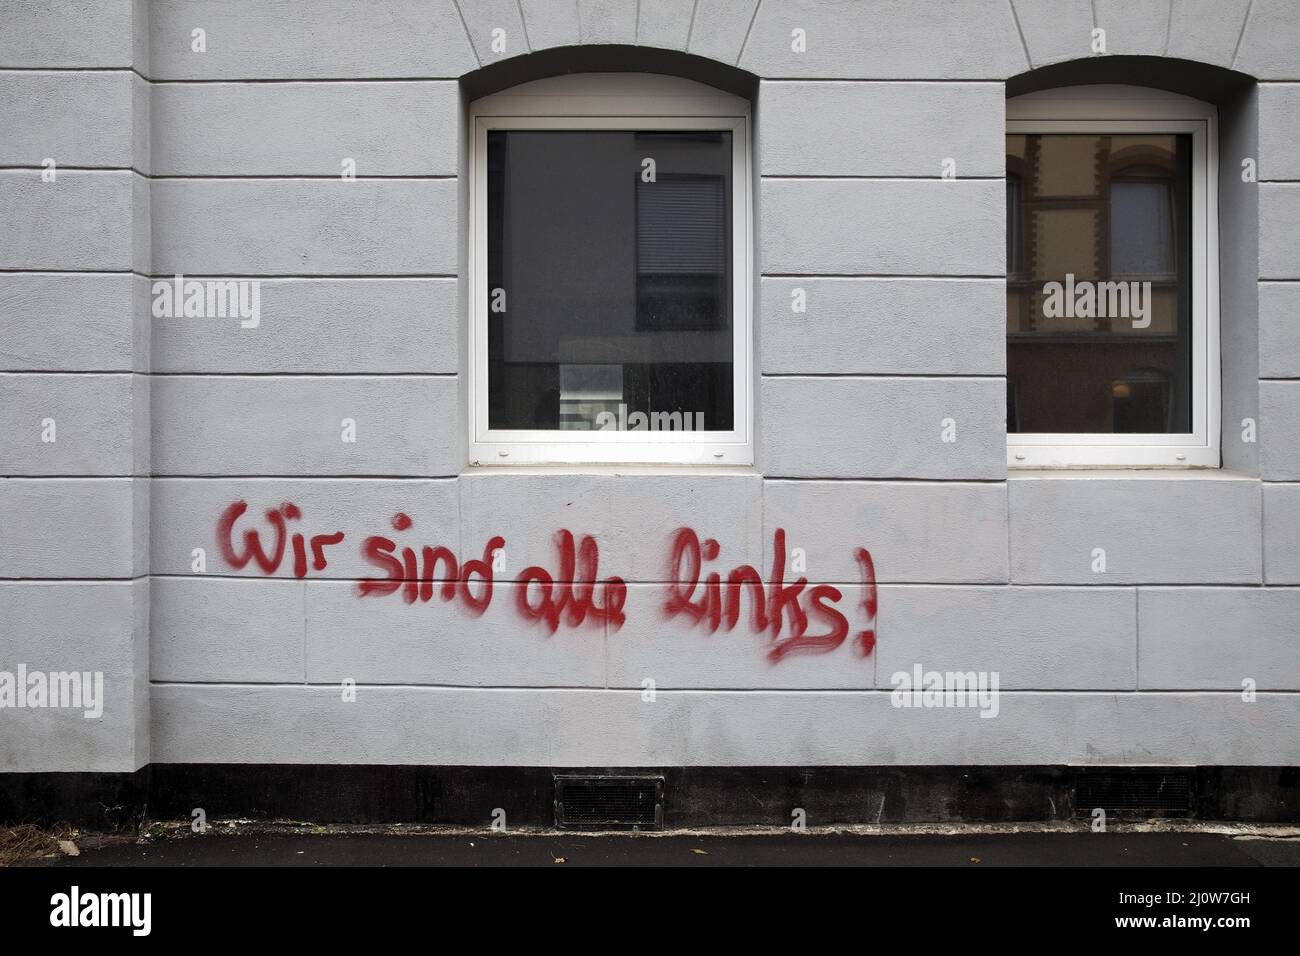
{"type": "Point", "coordinates": [1127, 109]}
{"type": "Point", "coordinates": [614, 101]}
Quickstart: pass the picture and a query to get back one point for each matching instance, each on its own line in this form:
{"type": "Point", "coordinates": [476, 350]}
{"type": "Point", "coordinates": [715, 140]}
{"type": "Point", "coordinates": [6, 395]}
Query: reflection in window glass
{"type": "Point", "coordinates": [609, 290]}
{"type": "Point", "coordinates": [1098, 283]}
{"type": "Point", "coordinates": [1014, 239]}
{"type": "Point", "coordinates": [681, 254]}
{"type": "Point", "coordinates": [1141, 228]}
{"type": "Point", "coordinates": [1141, 402]}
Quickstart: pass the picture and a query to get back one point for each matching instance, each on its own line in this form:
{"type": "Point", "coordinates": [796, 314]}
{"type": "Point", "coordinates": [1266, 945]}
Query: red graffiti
{"type": "Point", "coordinates": [569, 596]}
{"type": "Point", "coordinates": [870, 602]}
{"type": "Point", "coordinates": [415, 575]}
{"type": "Point", "coordinates": [269, 562]}
{"type": "Point", "coordinates": [797, 617]}
{"type": "Point", "coordinates": [771, 603]}
{"type": "Point", "coordinates": [573, 590]}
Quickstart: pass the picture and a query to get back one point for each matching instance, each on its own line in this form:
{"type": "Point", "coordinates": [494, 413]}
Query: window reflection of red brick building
{"type": "Point", "coordinates": [1102, 207]}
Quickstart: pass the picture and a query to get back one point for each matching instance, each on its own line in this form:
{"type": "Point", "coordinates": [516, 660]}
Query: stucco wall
{"type": "Point", "coordinates": [173, 161]}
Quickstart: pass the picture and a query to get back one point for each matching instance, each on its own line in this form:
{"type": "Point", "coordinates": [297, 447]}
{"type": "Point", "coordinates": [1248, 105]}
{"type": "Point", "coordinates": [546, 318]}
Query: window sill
{"type": "Point", "coordinates": [610, 469]}
{"type": "Point", "coordinates": [1184, 473]}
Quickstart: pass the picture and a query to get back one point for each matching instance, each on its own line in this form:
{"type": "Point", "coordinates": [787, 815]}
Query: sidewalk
{"type": "Point", "coordinates": [969, 847]}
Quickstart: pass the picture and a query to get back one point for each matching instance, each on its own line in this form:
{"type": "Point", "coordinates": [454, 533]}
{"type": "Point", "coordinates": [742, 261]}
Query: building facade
{"type": "Point", "coordinates": [327, 326]}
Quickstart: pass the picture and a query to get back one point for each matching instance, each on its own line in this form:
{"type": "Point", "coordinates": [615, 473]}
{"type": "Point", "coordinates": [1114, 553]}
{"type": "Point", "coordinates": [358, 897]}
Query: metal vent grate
{"type": "Point", "coordinates": [1150, 791]}
{"type": "Point", "coordinates": [609, 802]}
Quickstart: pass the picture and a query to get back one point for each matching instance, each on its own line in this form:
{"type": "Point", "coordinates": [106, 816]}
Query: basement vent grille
{"type": "Point", "coordinates": [609, 802]}
{"type": "Point", "coordinates": [1154, 792]}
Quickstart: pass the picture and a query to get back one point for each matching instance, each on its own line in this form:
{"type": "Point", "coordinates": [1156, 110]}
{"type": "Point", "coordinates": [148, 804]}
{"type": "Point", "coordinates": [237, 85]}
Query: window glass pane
{"type": "Point", "coordinates": [609, 295]}
{"type": "Point", "coordinates": [1099, 284]}
{"type": "Point", "coordinates": [1013, 225]}
{"type": "Point", "coordinates": [1141, 228]}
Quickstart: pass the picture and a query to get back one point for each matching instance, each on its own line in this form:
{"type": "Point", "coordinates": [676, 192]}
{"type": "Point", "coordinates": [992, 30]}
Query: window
{"type": "Point", "coordinates": [610, 271]}
{"type": "Point", "coordinates": [1112, 280]}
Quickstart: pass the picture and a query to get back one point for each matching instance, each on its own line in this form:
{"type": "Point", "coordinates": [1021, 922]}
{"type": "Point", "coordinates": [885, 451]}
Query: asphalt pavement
{"type": "Point", "coordinates": [461, 848]}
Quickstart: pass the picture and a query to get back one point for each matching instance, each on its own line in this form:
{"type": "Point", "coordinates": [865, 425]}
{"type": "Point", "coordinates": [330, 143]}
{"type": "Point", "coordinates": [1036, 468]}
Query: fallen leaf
{"type": "Point", "coordinates": [700, 852]}
{"type": "Point", "coordinates": [69, 848]}
{"type": "Point", "coordinates": [559, 859]}
{"type": "Point", "coordinates": [974, 859]}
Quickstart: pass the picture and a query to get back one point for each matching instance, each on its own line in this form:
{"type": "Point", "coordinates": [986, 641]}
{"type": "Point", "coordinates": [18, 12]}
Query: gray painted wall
{"type": "Point", "coordinates": [172, 161]}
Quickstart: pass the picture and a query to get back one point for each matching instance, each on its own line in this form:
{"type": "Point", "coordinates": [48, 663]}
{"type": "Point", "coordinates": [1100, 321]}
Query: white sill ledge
{"type": "Point", "coordinates": [1131, 474]}
{"type": "Point", "coordinates": [608, 469]}
{"type": "Point", "coordinates": [722, 471]}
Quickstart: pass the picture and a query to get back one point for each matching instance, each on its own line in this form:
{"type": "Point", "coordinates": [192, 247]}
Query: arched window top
{"type": "Point", "coordinates": [1146, 74]}
{"type": "Point", "coordinates": [606, 61]}
{"type": "Point", "coordinates": [612, 94]}
{"type": "Point", "coordinates": [1106, 101]}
